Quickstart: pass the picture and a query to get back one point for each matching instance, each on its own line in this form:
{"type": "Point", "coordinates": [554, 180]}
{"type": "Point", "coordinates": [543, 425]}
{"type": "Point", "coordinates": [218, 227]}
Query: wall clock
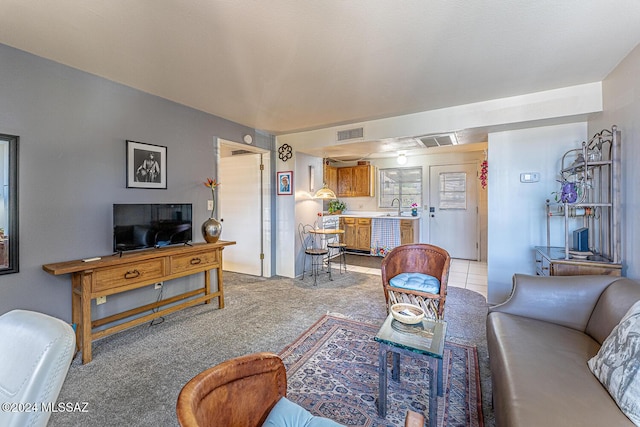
{"type": "Point", "coordinates": [284, 152]}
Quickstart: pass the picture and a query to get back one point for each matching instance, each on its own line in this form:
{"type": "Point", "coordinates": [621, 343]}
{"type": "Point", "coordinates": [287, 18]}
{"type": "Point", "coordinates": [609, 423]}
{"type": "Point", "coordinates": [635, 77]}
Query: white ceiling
{"type": "Point", "coordinates": [288, 65]}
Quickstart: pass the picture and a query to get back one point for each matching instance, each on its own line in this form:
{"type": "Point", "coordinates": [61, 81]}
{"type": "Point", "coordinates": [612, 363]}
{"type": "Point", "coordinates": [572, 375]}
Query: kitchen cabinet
{"type": "Point", "coordinates": [331, 177]}
{"type": "Point", "coordinates": [357, 233]}
{"type": "Point", "coordinates": [356, 181]}
{"type": "Point", "coordinates": [408, 233]}
{"type": "Point", "coordinates": [363, 234]}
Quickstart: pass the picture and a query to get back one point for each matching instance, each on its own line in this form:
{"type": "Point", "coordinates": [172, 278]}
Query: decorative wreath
{"type": "Point", "coordinates": [284, 152]}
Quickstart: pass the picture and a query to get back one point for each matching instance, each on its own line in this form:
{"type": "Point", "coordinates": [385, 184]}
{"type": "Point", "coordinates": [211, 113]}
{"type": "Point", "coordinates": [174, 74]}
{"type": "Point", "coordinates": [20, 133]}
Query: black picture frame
{"type": "Point", "coordinates": [146, 165]}
{"type": "Point", "coordinates": [9, 260]}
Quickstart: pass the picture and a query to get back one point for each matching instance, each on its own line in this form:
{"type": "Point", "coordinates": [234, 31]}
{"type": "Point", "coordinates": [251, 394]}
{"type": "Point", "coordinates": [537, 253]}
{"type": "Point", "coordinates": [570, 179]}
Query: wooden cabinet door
{"type": "Point", "coordinates": [361, 181]}
{"type": "Point", "coordinates": [349, 227]}
{"type": "Point", "coordinates": [406, 231]}
{"type": "Point", "coordinates": [363, 231]}
{"type": "Point", "coordinates": [345, 182]}
{"type": "Point", "coordinates": [331, 177]}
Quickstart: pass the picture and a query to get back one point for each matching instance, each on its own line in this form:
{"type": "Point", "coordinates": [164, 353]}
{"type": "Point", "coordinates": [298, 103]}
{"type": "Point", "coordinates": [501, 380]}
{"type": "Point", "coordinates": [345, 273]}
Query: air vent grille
{"type": "Point", "coordinates": [240, 152]}
{"type": "Point", "coordinates": [439, 140]}
{"type": "Point", "coordinates": [348, 134]}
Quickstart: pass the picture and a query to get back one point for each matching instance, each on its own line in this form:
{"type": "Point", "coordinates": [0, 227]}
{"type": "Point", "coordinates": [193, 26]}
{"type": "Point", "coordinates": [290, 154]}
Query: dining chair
{"type": "Point", "coordinates": [312, 249]}
{"type": "Point", "coordinates": [417, 274]}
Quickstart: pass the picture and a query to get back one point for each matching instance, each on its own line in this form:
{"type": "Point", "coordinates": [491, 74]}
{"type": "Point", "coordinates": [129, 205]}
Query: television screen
{"type": "Point", "coordinates": [139, 226]}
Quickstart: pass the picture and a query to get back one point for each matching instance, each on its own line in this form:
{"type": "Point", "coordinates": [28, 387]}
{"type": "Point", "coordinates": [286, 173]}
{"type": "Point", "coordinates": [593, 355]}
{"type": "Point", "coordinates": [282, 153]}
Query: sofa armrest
{"type": "Point", "coordinates": [564, 300]}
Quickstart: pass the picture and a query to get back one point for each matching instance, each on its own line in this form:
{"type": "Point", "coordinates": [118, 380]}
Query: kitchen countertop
{"type": "Point", "coordinates": [380, 215]}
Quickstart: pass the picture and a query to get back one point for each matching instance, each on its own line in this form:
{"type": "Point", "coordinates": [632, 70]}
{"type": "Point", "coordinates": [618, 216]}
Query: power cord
{"type": "Point", "coordinates": [160, 319]}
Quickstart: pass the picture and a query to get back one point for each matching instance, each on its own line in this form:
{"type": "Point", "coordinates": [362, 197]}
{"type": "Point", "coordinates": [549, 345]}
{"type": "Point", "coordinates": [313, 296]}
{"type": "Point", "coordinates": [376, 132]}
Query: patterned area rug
{"type": "Point", "coordinates": [332, 372]}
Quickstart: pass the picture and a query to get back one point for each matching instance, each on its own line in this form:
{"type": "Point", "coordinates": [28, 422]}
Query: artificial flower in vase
{"type": "Point", "coordinates": [212, 228]}
{"type": "Point", "coordinates": [414, 209]}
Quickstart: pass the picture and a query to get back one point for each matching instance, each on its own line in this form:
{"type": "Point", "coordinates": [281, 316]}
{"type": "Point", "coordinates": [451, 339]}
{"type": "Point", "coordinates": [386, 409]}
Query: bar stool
{"type": "Point", "coordinates": [336, 245]}
{"type": "Point", "coordinates": [317, 254]}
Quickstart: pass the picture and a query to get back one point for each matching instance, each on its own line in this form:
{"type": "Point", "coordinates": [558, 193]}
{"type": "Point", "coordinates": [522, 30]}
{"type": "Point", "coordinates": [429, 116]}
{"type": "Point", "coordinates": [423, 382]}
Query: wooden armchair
{"type": "Point", "coordinates": [237, 392]}
{"type": "Point", "coordinates": [241, 392]}
{"type": "Point", "coordinates": [417, 258]}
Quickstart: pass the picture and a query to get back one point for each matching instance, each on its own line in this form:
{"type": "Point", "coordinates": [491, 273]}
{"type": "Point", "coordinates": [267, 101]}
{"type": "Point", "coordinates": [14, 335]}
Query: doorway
{"type": "Point", "coordinates": [453, 209]}
{"type": "Point", "coordinates": [243, 204]}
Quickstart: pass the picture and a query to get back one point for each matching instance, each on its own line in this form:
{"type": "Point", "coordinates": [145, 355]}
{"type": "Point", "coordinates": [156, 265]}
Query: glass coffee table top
{"type": "Point", "coordinates": [425, 337]}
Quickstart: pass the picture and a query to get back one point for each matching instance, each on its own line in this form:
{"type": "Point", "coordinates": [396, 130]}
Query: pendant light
{"type": "Point", "coordinates": [325, 193]}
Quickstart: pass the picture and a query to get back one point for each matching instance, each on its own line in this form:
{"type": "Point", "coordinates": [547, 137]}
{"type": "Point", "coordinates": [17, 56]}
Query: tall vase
{"type": "Point", "coordinates": [211, 230]}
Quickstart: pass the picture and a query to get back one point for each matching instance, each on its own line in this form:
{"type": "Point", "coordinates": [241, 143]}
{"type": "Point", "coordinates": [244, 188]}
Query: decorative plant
{"type": "Point", "coordinates": [336, 205]}
{"type": "Point", "coordinates": [212, 184]}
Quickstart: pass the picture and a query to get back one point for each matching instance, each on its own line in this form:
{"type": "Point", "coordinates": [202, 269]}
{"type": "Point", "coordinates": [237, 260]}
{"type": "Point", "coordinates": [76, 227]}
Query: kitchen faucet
{"type": "Point", "coordinates": [398, 204]}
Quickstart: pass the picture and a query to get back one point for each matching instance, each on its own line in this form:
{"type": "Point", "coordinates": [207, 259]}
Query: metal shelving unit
{"type": "Point", "coordinates": [593, 170]}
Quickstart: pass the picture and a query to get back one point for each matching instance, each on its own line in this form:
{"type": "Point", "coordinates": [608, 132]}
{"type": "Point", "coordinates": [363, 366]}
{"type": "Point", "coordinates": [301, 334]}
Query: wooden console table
{"type": "Point", "coordinates": [115, 274]}
{"type": "Point", "coordinates": [550, 261]}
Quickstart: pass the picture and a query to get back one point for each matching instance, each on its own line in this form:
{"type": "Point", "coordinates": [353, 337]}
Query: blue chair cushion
{"type": "Point", "coordinates": [416, 282]}
{"type": "Point", "coordinates": [288, 414]}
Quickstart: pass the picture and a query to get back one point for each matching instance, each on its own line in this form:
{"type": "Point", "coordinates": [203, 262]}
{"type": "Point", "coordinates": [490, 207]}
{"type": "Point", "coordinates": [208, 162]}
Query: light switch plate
{"type": "Point", "coordinates": [530, 177]}
{"type": "Point", "coordinates": [209, 204]}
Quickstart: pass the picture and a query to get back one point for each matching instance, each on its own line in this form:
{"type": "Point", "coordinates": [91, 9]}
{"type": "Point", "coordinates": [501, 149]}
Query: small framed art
{"type": "Point", "coordinates": [285, 183]}
{"type": "Point", "coordinates": [146, 165]}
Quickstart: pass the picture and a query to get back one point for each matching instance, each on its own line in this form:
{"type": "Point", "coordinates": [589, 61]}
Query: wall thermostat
{"type": "Point", "coordinates": [530, 177]}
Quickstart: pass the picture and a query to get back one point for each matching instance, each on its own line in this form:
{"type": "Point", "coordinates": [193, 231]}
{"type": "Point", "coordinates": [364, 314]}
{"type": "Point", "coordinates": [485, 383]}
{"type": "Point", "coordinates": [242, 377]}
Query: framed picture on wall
{"type": "Point", "coordinates": [285, 183]}
{"type": "Point", "coordinates": [146, 165]}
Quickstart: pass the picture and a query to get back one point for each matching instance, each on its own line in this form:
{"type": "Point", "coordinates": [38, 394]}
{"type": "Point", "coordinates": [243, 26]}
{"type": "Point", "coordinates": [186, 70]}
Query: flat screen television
{"type": "Point", "coordinates": [139, 225]}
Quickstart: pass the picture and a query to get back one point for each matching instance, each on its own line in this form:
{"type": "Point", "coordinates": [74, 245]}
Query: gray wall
{"type": "Point", "coordinates": [621, 97]}
{"type": "Point", "coordinates": [72, 128]}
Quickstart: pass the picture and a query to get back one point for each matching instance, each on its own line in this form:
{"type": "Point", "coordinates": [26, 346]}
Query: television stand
{"type": "Point", "coordinates": [133, 270]}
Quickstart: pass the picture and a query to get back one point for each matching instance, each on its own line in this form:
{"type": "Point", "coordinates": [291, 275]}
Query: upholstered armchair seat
{"type": "Point", "coordinates": [35, 353]}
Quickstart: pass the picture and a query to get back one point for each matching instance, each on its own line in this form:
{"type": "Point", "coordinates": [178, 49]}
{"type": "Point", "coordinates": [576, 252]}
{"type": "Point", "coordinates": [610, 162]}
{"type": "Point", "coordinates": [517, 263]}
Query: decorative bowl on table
{"type": "Point", "coordinates": [409, 314]}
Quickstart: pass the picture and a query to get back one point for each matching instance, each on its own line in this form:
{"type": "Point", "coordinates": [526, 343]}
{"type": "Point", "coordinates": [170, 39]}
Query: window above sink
{"type": "Point", "coordinates": [404, 184]}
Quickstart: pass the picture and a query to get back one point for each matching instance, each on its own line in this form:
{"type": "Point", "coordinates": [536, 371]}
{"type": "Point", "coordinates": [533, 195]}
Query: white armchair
{"type": "Point", "coordinates": [35, 353]}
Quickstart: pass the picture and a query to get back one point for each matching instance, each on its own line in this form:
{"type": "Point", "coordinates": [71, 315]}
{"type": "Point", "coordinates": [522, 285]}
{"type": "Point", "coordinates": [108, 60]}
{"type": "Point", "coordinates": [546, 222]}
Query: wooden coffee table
{"type": "Point", "coordinates": [423, 339]}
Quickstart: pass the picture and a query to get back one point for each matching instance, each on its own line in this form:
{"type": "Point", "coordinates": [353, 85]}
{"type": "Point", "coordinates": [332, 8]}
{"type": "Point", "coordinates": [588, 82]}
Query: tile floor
{"type": "Point", "coordinates": [467, 274]}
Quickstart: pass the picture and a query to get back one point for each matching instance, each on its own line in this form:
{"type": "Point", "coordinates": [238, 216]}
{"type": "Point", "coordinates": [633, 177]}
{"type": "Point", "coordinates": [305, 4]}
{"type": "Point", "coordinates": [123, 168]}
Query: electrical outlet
{"type": "Point", "coordinates": [101, 300]}
{"type": "Point", "coordinates": [210, 204]}
{"type": "Point", "coordinates": [157, 285]}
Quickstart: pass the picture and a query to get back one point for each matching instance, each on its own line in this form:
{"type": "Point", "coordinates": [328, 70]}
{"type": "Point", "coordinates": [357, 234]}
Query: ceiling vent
{"type": "Point", "coordinates": [440, 140]}
{"type": "Point", "coordinates": [350, 134]}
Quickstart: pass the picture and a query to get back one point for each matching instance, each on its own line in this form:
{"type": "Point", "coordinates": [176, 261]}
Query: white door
{"type": "Point", "coordinates": [239, 209]}
{"type": "Point", "coordinates": [453, 209]}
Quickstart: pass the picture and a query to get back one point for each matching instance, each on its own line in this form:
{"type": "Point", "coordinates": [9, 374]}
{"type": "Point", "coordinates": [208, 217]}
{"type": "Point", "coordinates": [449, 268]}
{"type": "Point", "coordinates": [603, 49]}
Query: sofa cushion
{"type": "Point", "coordinates": [617, 364]}
{"type": "Point", "coordinates": [540, 375]}
{"type": "Point", "coordinates": [612, 305]}
{"type": "Point", "coordinates": [416, 282]}
{"type": "Point", "coordinates": [288, 414]}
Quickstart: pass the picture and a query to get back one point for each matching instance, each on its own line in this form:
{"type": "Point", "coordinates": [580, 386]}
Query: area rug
{"type": "Point", "coordinates": [332, 372]}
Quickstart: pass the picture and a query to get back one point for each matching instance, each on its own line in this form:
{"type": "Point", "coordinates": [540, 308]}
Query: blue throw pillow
{"type": "Point", "coordinates": [288, 414]}
{"type": "Point", "coordinates": [416, 282]}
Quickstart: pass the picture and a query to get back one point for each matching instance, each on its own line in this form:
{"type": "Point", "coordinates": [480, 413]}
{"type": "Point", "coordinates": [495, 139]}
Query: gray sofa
{"type": "Point", "coordinates": [540, 340]}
